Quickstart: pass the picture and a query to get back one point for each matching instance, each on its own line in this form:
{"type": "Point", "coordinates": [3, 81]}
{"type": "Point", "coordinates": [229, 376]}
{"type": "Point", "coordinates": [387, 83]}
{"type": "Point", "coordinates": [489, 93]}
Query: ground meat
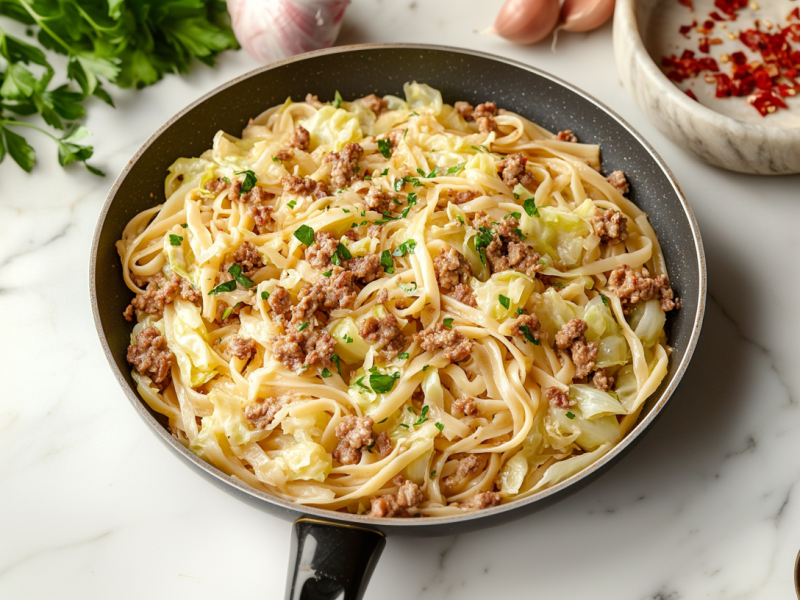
{"type": "Point", "coordinates": [566, 136]}
{"type": "Point", "coordinates": [233, 314]}
{"type": "Point", "coordinates": [354, 433]}
{"type": "Point", "coordinates": [261, 412]}
{"type": "Point", "coordinates": [374, 103]}
{"type": "Point", "coordinates": [484, 115]}
{"type": "Point", "coordinates": [150, 356]}
{"type": "Point", "coordinates": [468, 465]}
{"type": "Point", "coordinates": [610, 226]}
{"type": "Point", "coordinates": [602, 380]}
{"type": "Point", "coordinates": [256, 195]}
{"type": "Point", "coordinates": [352, 235]}
{"type": "Point", "coordinates": [262, 215]}
{"type": "Point", "coordinates": [320, 252]}
{"type": "Point", "coordinates": [619, 181]}
{"type": "Point", "coordinates": [128, 313]}
{"type": "Point", "coordinates": [344, 163]}
{"type": "Point", "coordinates": [456, 346]}
{"type": "Point", "coordinates": [377, 200]}
{"type": "Point", "coordinates": [583, 353]}
{"type": "Point", "coordinates": [382, 296]}
{"type": "Point", "coordinates": [240, 347]}
{"type": "Point", "coordinates": [462, 196]}
{"type": "Point", "coordinates": [408, 496]}
{"type": "Point", "coordinates": [374, 231]}
{"type": "Point", "coordinates": [531, 323]}
{"type": "Point", "coordinates": [385, 333]}
{"type": "Point", "coordinates": [336, 291]}
{"type": "Point", "coordinates": [383, 445]}
{"type": "Point", "coordinates": [285, 154]}
{"type": "Point", "coordinates": [506, 250]}
{"type": "Point", "coordinates": [215, 186]}
{"type": "Point", "coordinates": [279, 300]}
{"type": "Point", "coordinates": [313, 100]}
{"type": "Point", "coordinates": [466, 405]}
{"type": "Point", "coordinates": [512, 171]}
{"type": "Point", "coordinates": [464, 109]}
{"type": "Point", "coordinates": [451, 268]}
{"type": "Point", "coordinates": [481, 500]}
{"type": "Point", "coordinates": [304, 186]}
{"type": "Point", "coordinates": [463, 293]}
{"type": "Point", "coordinates": [300, 138]}
{"type": "Point", "coordinates": [632, 286]}
{"type": "Point", "coordinates": [558, 398]}
{"type": "Point", "coordinates": [365, 268]}
{"type": "Point", "coordinates": [188, 292]}
{"type": "Point", "coordinates": [298, 349]}
{"type": "Point", "coordinates": [160, 292]}
{"type": "Point", "coordinates": [248, 257]}
{"type": "Point", "coordinates": [523, 258]}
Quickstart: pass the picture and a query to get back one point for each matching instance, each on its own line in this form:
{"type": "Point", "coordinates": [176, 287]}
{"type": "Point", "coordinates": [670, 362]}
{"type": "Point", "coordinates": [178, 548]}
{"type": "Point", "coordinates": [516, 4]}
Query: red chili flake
{"type": "Point", "coordinates": [739, 58]}
{"type": "Point", "coordinates": [703, 45]}
{"type": "Point", "coordinates": [795, 14]}
{"type": "Point", "coordinates": [691, 95]}
{"type": "Point", "coordinates": [729, 7]}
{"type": "Point", "coordinates": [708, 25]}
{"type": "Point", "coordinates": [686, 3]}
{"type": "Point", "coordinates": [765, 102]}
{"type": "Point", "coordinates": [716, 16]}
{"type": "Point", "coordinates": [684, 29]}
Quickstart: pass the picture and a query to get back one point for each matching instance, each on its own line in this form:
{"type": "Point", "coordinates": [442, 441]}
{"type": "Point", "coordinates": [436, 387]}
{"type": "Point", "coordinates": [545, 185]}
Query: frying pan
{"type": "Point", "coordinates": [335, 553]}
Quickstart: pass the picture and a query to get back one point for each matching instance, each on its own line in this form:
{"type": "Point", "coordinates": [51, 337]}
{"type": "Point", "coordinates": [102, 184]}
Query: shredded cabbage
{"type": "Point", "coordinates": [517, 287]}
{"type": "Point", "coordinates": [594, 403]}
{"type": "Point", "coordinates": [186, 339]}
{"type": "Point", "coordinates": [333, 128]}
{"type": "Point", "coordinates": [420, 95]}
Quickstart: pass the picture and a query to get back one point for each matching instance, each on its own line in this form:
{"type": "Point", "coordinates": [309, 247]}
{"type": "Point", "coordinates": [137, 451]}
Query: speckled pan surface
{"type": "Point", "coordinates": [356, 71]}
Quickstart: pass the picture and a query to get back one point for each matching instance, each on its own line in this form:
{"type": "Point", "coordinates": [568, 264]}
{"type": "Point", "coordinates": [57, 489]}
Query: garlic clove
{"type": "Point", "coordinates": [585, 15]}
{"type": "Point", "coordinates": [274, 29]}
{"type": "Point", "coordinates": [527, 21]}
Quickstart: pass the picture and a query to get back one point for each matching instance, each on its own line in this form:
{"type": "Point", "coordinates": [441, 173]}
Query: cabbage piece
{"type": "Point", "coordinates": [594, 403]}
{"type": "Point", "coordinates": [517, 287]}
{"type": "Point", "coordinates": [626, 387]}
{"type": "Point", "coordinates": [420, 95]}
{"type": "Point", "coordinates": [305, 460]}
{"type": "Point", "coordinates": [513, 474]}
{"type": "Point", "coordinates": [567, 468]}
{"type": "Point", "coordinates": [483, 162]}
{"type": "Point", "coordinates": [553, 311]}
{"type": "Point", "coordinates": [190, 168]}
{"type": "Point", "coordinates": [229, 413]}
{"type": "Point", "coordinates": [557, 233]}
{"type": "Point", "coordinates": [181, 257]}
{"type": "Point", "coordinates": [186, 338]}
{"type": "Point", "coordinates": [344, 330]}
{"type": "Point", "coordinates": [597, 432]}
{"type": "Point", "coordinates": [479, 268]}
{"type": "Point", "coordinates": [603, 329]}
{"type": "Point", "coordinates": [561, 431]}
{"type": "Point", "coordinates": [648, 321]}
{"type": "Point", "coordinates": [565, 426]}
{"type": "Point", "coordinates": [417, 469]}
{"type": "Point", "coordinates": [366, 118]}
{"type": "Point", "coordinates": [456, 213]}
{"type": "Point", "coordinates": [148, 321]}
{"type": "Point", "coordinates": [333, 128]}
{"type": "Point", "coordinates": [395, 103]}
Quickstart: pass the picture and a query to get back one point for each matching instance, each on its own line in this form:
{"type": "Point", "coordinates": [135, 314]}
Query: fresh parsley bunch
{"type": "Point", "coordinates": [130, 43]}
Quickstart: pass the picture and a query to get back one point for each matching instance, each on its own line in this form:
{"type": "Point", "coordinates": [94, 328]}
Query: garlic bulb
{"type": "Point", "coordinates": [274, 29]}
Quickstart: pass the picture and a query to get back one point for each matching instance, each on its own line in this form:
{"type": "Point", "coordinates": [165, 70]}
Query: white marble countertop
{"type": "Point", "coordinates": [92, 505]}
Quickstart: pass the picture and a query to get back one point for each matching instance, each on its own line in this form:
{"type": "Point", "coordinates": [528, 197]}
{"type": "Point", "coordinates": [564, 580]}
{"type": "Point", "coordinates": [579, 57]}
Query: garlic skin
{"type": "Point", "coordinates": [274, 29]}
{"type": "Point", "coordinates": [527, 21]}
{"type": "Point", "coordinates": [585, 15]}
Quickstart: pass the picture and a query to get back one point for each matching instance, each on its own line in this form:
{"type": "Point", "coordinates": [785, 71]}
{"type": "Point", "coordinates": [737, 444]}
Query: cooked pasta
{"type": "Point", "coordinates": [396, 306]}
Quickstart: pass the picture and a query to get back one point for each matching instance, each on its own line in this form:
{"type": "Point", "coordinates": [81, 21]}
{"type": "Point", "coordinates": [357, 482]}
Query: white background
{"type": "Point", "coordinates": [92, 505]}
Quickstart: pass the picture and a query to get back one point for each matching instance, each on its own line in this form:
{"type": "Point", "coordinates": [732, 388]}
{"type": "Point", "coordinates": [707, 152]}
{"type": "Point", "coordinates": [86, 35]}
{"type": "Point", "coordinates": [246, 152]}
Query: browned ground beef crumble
{"type": "Point", "coordinates": [160, 292]}
{"type": "Point", "coordinates": [353, 433]}
{"type": "Point", "coordinates": [507, 250]}
{"type": "Point", "coordinates": [304, 186]}
{"type": "Point", "coordinates": [150, 356]}
{"type": "Point", "coordinates": [619, 181]}
{"type": "Point", "coordinates": [451, 269]}
{"type": "Point", "coordinates": [512, 171]}
{"type": "Point", "coordinates": [456, 346]}
{"type": "Point", "coordinates": [300, 139]}
{"type": "Point", "coordinates": [632, 286]}
{"type": "Point", "coordinates": [408, 496]}
{"type": "Point", "coordinates": [464, 294]}
{"type": "Point", "coordinates": [375, 103]}
{"type": "Point", "coordinates": [385, 333]}
{"type": "Point", "coordinates": [583, 353]}
{"type": "Point", "coordinates": [610, 226]}
{"type": "Point", "coordinates": [261, 412]}
{"type": "Point", "coordinates": [466, 405]}
{"type": "Point", "coordinates": [462, 196]}
{"type": "Point", "coordinates": [343, 165]}
{"type": "Point", "coordinates": [602, 380]}
{"type": "Point", "coordinates": [243, 348]}
{"type": "Point", "coordinates": [566, 136]}
{"type": "Point", "coordinates": [558, 398]}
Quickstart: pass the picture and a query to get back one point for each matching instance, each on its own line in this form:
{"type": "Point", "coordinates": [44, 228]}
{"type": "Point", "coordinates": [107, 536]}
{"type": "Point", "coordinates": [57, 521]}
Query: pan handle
{"type": "Point", "coordinates": [331, 561]}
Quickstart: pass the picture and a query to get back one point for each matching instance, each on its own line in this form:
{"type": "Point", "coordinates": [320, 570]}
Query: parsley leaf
{"type": "Point", "coordinates": [440, 427]}
{"type": "Point", "coordinates": [327, 273]}
{"type": "Point", "coordinates": [403, 355]}
{"type": "Point", "coordinates": [185, 225]}
{"type": "Point", "coordinates": [305, 235]}
{"type": "Point", "coordinates": [455, 169]}
{"type": "Point", "coordinates": [426, 367]}
{"type": "Point", "coordinates": [411, 199]}
{"type": "Point", "coordinates": [448, 323]}
{"type": "Point", "coordinates": [516, 215]}
{"type": "Point", "coordinates": [291, 203]}
{"type": "Point", "coordinates": [504, 301]}
{"type": "Point", "coordinates": [342, 250]}
{"type": "Point", "coordinates": [302, 326]}
{"type": "Point", "coordinates": [381, 383]}
{"type": "Point", "coordinates": [325, 373]}
{"type": "Point", "coordinates": [433, 473]}
{"type": "Point", "coordinates": [408, 288]}
{"type": "Point", "coordinates": [265, 295]}
{"type": "Point", "coordinates": [227, 286]}
{"type": "Point", "coordinates": [175, 240]}
{"type": "Point", "coordinates": [360, 384]}
{"type": "Point", "coordinates": [423, 416]}
{"type": "Point", "coordinates": [337, 99]}
{"type": "Point", "coordinates": [385, 172]}
{"type": "Point", "coordinates": [387, 262]}
{"type": "Point", "coordinates": [604, 299]}
{"type": "Point", "coordinates": [527, 333]}
{"type": "Point", "coordinates": [530, 207]}
{"type": "Point", "coordinates": [385, 148]}
{"type": "Point", "coordinates": [236, 272]}
{"type": "Point", "coordinates": [570, 415]}
{"type": "Point", "coordinates": [335, 360]}
{"type": "Point", "coordinates": [248, 182]}
{"type": "Point", "coordinates": [520, 311]}
{"type": "Point", "coordinates": [406, 247]}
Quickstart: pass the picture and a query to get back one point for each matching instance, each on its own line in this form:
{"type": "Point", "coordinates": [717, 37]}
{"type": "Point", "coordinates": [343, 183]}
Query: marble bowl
{"type": "Point", "coordinates": [718, 139]}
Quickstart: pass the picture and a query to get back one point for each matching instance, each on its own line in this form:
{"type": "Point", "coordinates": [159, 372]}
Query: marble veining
{"type": "Point", "coordinates": [94, 507]}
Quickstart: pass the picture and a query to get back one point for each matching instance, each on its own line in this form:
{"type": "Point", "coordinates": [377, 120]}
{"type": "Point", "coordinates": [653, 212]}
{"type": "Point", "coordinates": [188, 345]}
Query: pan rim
{"type": "Point", "coordinates": [388, 523]}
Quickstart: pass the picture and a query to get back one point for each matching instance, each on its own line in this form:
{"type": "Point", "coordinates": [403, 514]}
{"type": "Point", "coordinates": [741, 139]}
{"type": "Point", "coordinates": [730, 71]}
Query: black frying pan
{"type": "Point", "coordinates": [335, 553]}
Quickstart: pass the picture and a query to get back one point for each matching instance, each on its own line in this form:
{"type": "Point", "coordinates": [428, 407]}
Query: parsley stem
{"type": "Point", "coordinates": [40, 22]}
{"type": "Point", "coordinates": [15, 123]}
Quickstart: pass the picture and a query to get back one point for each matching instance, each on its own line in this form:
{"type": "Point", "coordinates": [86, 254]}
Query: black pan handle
{"type": "Point", "coordinates": [331, 561]}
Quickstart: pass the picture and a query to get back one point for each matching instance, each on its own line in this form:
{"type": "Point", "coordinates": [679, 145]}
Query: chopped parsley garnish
{"type": "Point", "coordinates": [455, 169]}
{"type": "Point", "coordinates": [520, 234]}
{"type": "Point", "coordinates": [227, 286]}
{"type": "Point", "coordinates": [504, 301]}
{"type": "Point", "coordinates": [557, 284]}
{"type": "Point", "coordinates": [381, 383]}
{"type": "Point", "coordinates": [325, 373]}
{"type": "Point", "coordinates": [426, 367]}
{"type": "Point", "coordinates": [527, 333]}
{"type": "Point", "coordinates": [385, 148]}
{"type": "Point", "coordinates": [385, 172]}
{"type": "Point", "coordinates": [396, 201]}
{"type": "Point", "coordinates": [248, 182]}
{"type": "Point", "coordinates": [302, 326]}
{"type": "Point", "coordinates": [226, 180]}
{"type": "Point", "coordinates": [423, 416]}
{"type": "Point", "coordinates": [367, 178]}
{"type": "Point", "coordinates": [184, 225]}
{"type": "Point", "coordinates": [448, 323]}
{"type": "Point", "coordinates": [404, 425]}
{"type": "Point", "coordinates": [337, 99]}
{"type": "Point", "coordinates": [398, 185]}
{"type": "Point", "coordinates": [229, 310]}
{"type": "Point", "coordinates": [520, 311]}
{"type": "Point", "coordinates": [265, 295]}
{"type": "Point", "coordinates": [403, 355]}
{"type": "Point", "coordinates": [387, 262]}
{"type": "Point", "coordinates": [406, 247]}
{"type": "Point", "coordinates": [175, 240]}
{"type": "Point", "coordinates": [305, 235]}
{"type": "Point", "coordinates": [335, 360]}
{"type": "Point", "coordinates": [604, 299]}
{"type": "Point", "coordinates": [405, 212]}
{"type": "Point", "coordinates": [482, 240]}
{"type": "Point", "coordinates": [404, 134]}
{"type": "Point", "coordinates": [327, 273]}
{"type": "Point", "coordinates": [408, 287]}
{"type": "Point", "coordinates": [342, 250]}
{"type": "Point", "coordinates": [347, 338]}
{"type": "Point", "coordinates": [516, 215]}
{"type": "Point", "coordinates": [530, 207]}
{"type": "Point", "coordinates": [460, 219]}
{"type": "Point", "coordinates": [440, 427]}
{"type": "Point", "coordinates": [291, 203]}
{"type": "Point", "coordinates": [346, 211]}
{"type": "Point", "coordinates": [412, 199]}
{"type": "Point", "coordinates": [244, 281]}
{"type": "Point", "coordinates": [384, 421]}
{"type": "Point", "coordinates": [360, 384]}
{"type": "Point", "coordinates": [570, 415]}
{"type": "Point", "coordinates": [276, 159]}
{"type": "Point", "coordinates": [356, 169]}
{"type": "Point", "coordinates": [370, 447]}
{"type": "Point", "coordinates": [433, 473]}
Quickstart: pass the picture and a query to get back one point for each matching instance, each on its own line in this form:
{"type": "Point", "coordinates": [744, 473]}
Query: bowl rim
{"type": "Point", "coordinates": [626, 24]}
{"type": "Point", "coordinates": [329, 515]}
